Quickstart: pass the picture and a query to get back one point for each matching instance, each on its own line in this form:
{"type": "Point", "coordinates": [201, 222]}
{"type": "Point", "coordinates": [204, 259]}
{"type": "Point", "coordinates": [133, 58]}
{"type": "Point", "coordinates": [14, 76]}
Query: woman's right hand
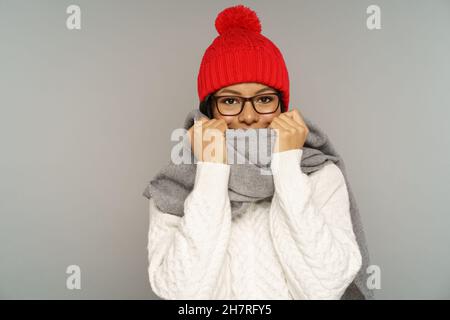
{"type": "Point", "coordinates": [207, 138]}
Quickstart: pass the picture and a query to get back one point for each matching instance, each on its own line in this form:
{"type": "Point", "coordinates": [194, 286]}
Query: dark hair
{"type": "Point", "coordinates": [206, 105]}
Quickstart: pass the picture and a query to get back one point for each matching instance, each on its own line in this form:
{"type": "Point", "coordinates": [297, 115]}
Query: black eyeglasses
{"type": "Point", "coordinates": [265, 103]}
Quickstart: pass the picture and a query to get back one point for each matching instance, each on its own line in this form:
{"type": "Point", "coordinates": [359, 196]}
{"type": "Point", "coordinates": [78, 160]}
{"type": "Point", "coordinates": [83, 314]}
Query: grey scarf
{"type": "Point", "coordinates": [249, 181]}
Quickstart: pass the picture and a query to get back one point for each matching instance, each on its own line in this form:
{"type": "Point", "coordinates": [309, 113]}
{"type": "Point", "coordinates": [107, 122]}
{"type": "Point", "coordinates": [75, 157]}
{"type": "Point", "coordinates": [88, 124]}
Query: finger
{"type": "Point", "coordinates": [216, 124]}
{"type": "Point", "coordinates": [209, 123]}
{"type": "Point", "coordinates": [275, 124]}
{"type": "Point", "coordinates": [298, 117]}
{"type": "Point", "coordinates": [201, 119]}
{"type": "Point", "coordinates": [199, 126]}
{"type": "Point", "coordinates": [200, 123]}
{"type": "Point", "coordinates": [290, 121]}
{"type": "Point", "coordinates": [276, 127]}
{"type": "Point", "coordinates": [220, 123]}
{"type": "Point", "coordinates": [287, 113]}
{"type": "Point", "coordinates": [283, 123]}
{"type": "Point", "coordinates": [222, 127]}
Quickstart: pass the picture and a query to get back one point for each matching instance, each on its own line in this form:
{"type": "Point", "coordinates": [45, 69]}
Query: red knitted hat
{"type": "Point", "coordinates": [240, 53]}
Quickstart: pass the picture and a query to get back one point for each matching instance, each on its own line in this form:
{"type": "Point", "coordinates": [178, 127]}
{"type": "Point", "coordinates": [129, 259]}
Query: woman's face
{"type": "Point", "coordinates": [248, 118]}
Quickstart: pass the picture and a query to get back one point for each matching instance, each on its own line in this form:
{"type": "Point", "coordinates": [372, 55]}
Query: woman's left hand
{"type": "Point", "coordinates": [292, 131]}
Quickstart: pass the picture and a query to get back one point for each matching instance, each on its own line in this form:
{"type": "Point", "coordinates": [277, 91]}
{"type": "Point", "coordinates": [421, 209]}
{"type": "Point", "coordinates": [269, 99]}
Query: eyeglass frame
{"type": "Point", "coordinates": [214, 98]}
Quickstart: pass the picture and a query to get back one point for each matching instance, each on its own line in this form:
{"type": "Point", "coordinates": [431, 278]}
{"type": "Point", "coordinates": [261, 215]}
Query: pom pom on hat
{"type": "Point", "coordinates": [238, 16]}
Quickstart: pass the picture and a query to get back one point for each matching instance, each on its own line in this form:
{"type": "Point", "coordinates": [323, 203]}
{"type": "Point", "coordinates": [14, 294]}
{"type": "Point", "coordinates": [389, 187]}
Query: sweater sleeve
{"type": "Point", "coordinates": [185, 254]}
{"type": "Point", "coordinates": [311, 228]}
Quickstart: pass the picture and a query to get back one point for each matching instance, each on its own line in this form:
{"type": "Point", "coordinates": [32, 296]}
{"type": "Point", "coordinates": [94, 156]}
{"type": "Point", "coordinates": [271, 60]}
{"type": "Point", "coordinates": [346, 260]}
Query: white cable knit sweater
{"type": "Point", "coordinates": [300, 245]}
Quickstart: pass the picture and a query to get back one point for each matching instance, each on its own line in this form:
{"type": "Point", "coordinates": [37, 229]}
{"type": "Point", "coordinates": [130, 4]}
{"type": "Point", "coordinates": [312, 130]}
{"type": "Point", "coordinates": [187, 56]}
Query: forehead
{"type": "Point", "coordinates": [245, 87]}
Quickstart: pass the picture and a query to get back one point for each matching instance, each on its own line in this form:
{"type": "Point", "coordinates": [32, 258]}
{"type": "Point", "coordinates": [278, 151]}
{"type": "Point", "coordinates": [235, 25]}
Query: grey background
{"type": "Point", "coordinates": [86, 118]}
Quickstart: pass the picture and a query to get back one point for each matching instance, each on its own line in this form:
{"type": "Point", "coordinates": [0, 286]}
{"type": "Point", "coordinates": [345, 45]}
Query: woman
{"type": "Point", "coordinates": [297, 244]}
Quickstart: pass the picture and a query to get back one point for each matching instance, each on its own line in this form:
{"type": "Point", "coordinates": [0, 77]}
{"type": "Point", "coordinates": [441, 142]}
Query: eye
{"type": "Point", "coordinates": [265, 99]}
{"type": "Point", "coordinates": [228, 101]}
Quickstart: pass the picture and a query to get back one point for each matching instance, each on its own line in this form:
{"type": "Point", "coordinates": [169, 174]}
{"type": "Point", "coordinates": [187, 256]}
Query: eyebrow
{"type": "Point", "coordinates": [237, 92]}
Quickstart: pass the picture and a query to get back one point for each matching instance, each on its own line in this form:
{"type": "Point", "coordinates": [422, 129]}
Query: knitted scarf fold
{"type": "Point", "coordinates": [250, 180]}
